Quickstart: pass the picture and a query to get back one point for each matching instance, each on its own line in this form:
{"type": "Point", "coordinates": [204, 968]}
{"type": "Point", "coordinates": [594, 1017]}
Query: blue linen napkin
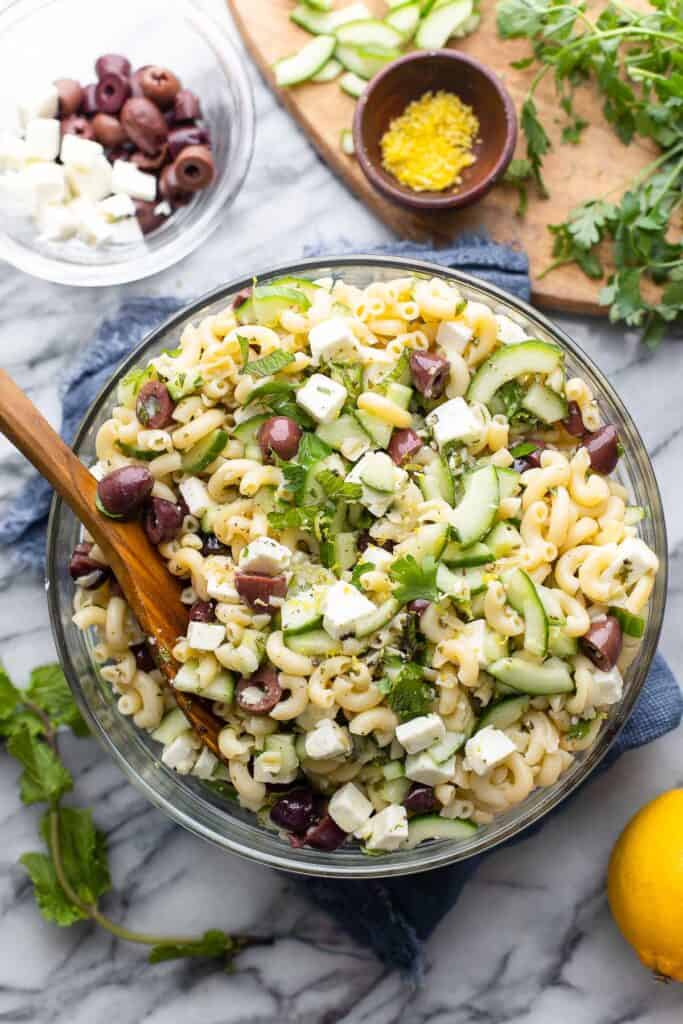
{"type": "Point", "coordinates": [391, 916]}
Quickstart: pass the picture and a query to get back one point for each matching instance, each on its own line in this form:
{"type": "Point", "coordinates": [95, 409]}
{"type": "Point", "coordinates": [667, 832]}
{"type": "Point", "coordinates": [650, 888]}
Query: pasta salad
{"type": "Point", "coordinates": [413, 582]}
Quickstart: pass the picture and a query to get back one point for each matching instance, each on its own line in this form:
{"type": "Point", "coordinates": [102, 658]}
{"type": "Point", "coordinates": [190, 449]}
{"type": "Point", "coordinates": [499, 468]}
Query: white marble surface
{"type": "Point", "coordinates": [531, 941]}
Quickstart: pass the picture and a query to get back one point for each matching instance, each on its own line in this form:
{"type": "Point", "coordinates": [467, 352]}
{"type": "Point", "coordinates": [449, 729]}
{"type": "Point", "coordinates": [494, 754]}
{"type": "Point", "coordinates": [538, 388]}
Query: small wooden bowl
{"type": "Point", "coordinates": [407, 79]}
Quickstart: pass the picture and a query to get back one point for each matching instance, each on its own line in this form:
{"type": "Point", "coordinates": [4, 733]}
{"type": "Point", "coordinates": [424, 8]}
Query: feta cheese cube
{"type": "Point", "coordinates": [423, 768]}
{"type": "Point", "coordinates": [117, 206]}
{"type": "Point", "coordinates": [205, 765]}
{"type": "Point", "coordinates": [80, 153]}
{"type": "Point", "coordinates": [327, 740]}
{"type": "Point", "coordinates": [476, 631]}
{"type": "Point", "coordinates": [43, 138]}
{"type": "Point", "coordinates": [454, 336]}
{"type": "Point", "coordinates": [92, 228]}
{"type": "Point", "coordinates": [343, 605]}
{"type": "Point", "coordinates": [181, 753]}
{"type": "Point", "coordinates": [205, 636]}
{"type": "Point", "coordinates": [455, 421]}
{"type": "Point", "coordinates": [487, 748]}
{"type": "Point", "coordinates": [322, 397]}
{"type": "Point", "coordinates": [12, 152]}
{"type": "Point", "coordinates": [56, 223]}
{"type": "Point", "coordinates": [92, 184]}
{"type": "Point", "coordinates": [349, 808]}
{"type": "Point", "coordinates": [377, 502]}
{"type": "Point", "coordinates": [195, 495]}
{"type": "Point", "coordinates": [267, 766]}
{"type": "Point", "coordinates": [509, 333]}
{"type": "Point", "coordinates": [419, 733]}
{"type": "Point", "coordinates": [607, 688]}
{"type": "Point", "coordinates": [265, 556]}
{"type": "Point", "coordinates": [41, 100]}
{"type": "Point", "coordinates": [126, 231]}
{"type": "Point", "coordinates": [380, 558]}
{"type": "Point", "coordinates": [221, 589]}
{"type": "Point", "coordinates": [17, 194]}
{"type": "Point", "coordinates": [130, 180]}
{"type": "Point", "coordinates": [47, 182]}
{"type": "Point", "coordinates": [331, 338]}
{"type": "Point", "coordinates": [386, 830]}
{"type": "Point", "coordinates": [636, 556]}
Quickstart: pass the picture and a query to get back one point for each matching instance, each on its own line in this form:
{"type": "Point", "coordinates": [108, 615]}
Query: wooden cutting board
{"type": "Point", "coordinates": [599, 165]}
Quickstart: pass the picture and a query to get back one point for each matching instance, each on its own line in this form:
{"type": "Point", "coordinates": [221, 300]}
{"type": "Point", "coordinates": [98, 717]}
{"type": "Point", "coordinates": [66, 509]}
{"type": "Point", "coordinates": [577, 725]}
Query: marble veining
{"type": "Point", "coordinates": [531, 940]}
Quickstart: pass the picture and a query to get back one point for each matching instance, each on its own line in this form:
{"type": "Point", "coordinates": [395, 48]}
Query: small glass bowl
{"type": "Point", "coordinates": [222, 821]}
{"type": "Point", "coordinates": [174, 33]}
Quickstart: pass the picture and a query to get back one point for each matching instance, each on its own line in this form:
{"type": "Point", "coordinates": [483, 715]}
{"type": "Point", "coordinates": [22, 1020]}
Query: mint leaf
{"type": "Point", "coordinates": [520, 450]}
{"type": "Point", "coordinates": [244, 351]}
{"type": "Point", "coordinates": [52, 901]}
{"type": "Point", "coordinates": [400, 370]}
{"type": "Point", "coordinates": [44, 778]}
{"type": "Point", "coordinates": [9, 695]}
{"type": "Point", "coordinates": [312, 449]}
{"type": "Point", "coordinates": [49, 689]}
{"type": "Point", "coordinates": [294, 477]}
{"type": "Point", "coordinates": [537, 141]}
{"type": "Point", "coordinates": [212, 944]}
{"type": "Point", "coordinates": [301, 518]}
{"type": "Point", "coordinates": [359, 570]}
{"type": "Point", "coordinates": [267, 365]}
{"type": "Point", "coordinates": [83, 852]}
{"type": "Point", "coordinates": [335, 486]}
{"type": "Point", "coordinates": [414, 581]}
{"type": "Point", "coordinates": [410, 696]}
{"type": "Point", "coordinates": [22, 720]}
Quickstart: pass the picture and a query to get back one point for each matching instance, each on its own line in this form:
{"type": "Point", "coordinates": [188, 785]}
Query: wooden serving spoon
{"type": "Point", "coordinates": [150, 590]}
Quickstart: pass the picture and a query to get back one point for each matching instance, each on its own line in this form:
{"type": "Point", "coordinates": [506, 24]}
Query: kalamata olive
{"type": "Point", "coordinates": [143, 657]}
{"type": "Point", "coordinates": [259, 693]}
{"type": "Point", "coordinates": [363, 541]}
{"type": "Point", "coordinates": [124, 490]}
{"type": "Point", "coordinates": [148, 218]}
{"type": "Point", "coordinates": [108, 130]}
{"type": "Point", "coordinates": [212, 546]}
{"type": "Point", "coordinates": [573, 423]}
{"type": "Point", "coordinates": [111, 92]}
{"type": "Point", "coordinates": [257, 589]}
{"type": "Point", "coordinates": [194, 168]}
{"type": "Point", "coordinates": [241, 298]}
{"type": "Point", "coordinates": [70, 94]}
{"type": "Point", "coordinates": [112, 63]}
{"type": "Point", "coordinates": [162, 520]}
{"type": "Point", "coordinates": [418, 605]}
{"type": "Point", "coordinates": [159, 85]}
{"type": "Point", "coordinates": [75, 124]}
{"type": "Point", "coordinates": [602, 643]}
{"type": "Point", "coordinates": [170, 188]}
{"type": "Point", "coordinates": [603, 448]}
{"type": "Point", "coordinates": [403, 444]}
{"type": "Point", "coordinates": [203, 611]}
{"type": "Point", "coordinates": [186, 106]}
{"type": "Point", "coordinates": [281, 435]}
{"type": "Point", "coordinates": [326, 835]}
{"type": "Point", "coordinates": [89, 573]}
{"type": "Point", "coordinates": [150, 163]}
{"type": "Point", "coordinates": [420, 798]}
{"type": "Point", "coordinates": [154, 407]}
{"type": "Point", "coordinates": [188, 135]}
{"type": "Point", "coordinates": [295, 811]}
{"type": "Point", "coordinates": [89, 100]}
{"type": "Point", "coordinates": [144, 124]}
{"type": "Point", "coordinates": [430, 372]}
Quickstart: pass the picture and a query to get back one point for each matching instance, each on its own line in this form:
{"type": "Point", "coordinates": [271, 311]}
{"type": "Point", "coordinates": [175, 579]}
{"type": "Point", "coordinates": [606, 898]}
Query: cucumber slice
{"type": "Point", "coordinates": [319, 5]}
{"type": "Point", "coordinates": [523, 597]}
{"type": "Point", "coordinates": [441, 23]}
{"type": "Point", "coordinates": [545, 404]}
{"type": "Point", "coordinates": [458, 557]}
{"type": "Point", "coordinates": [270, 300]}
{"type": "Point", "coordinates": [247, 430]}
{"type": "Point", "coordinates": [302, 612]}
{"type": "Point", "coordinates": [399, 394]}
{"type": "Point", "coordinates": [460, 584]}
{"type": "Point", "coordinates": [395, 791]}
{"type": "Point", "coordinates": [538, 680]}
{"type": "Point", "coordinates": [393, 770]}
{"type": "Point", "coordinates": [143, 454]}
{"type": "Point", "coordinates": [301, 66]}
{"type": "Point", "coordinates": [632, 625]}
{"type": "Point", "coordinates": [315, 22]}
{"type": "Point", "coordinates": [473, 518]}
{"type": "Point", "coordinates": [503, 539]}
{"type": "Point", "coordinates": [634, 514]}
{"type": "Point", "coordinates": [171, 726]}
{"type": "Point", "coordinates": [314, 644]}
{"type": "Point", "coordinates": [512, 361]}
{"type": "Point", "coordinates": [341, 431]}
{"type": "Point", "coordinates": [378, 472]}
{"type": "Point", "coordinates": [405, 19]}
{"type": "Point", "coordinates": [379, 431]}
{"type": "Point", "coordinates": [449, 745]}
{"type": "Point", "coordinates": [431, 826]}
{"type": "Point", "coordinates": [346, 142]}
{"type": "Point", "coordinates": [369, 32]}
{"type": "Point", "coordinates": [504, 713]}
{"type": "Point", "coordinates": [426, 540]}
{"type": "Point", "coordinates": [373, 621]}
{"type": "Point", "coordinates": [508, 482]}
{"type": "Point", "coordinates": [204, 452]}
{"type": "Point", "coordinates": [363, 60]}
{"type": "Point", "coordinates": [340, 552]}
{"type": "Point", "coordinates": [328, 72]}
{"type": "Point", "coordinates": [352, 84]}
{"type": "Point", "coordinates": [302, 284]}
{"type": "Point", "coordinates": [437, 482]}
{"type": "Point", "coordinates": [221, 688]}
{"type": "Point", "coordinates": [561, 645]}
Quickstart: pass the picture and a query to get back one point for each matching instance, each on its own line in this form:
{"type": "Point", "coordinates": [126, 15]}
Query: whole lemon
{"type": "Point", "coordinates": [645, 884]}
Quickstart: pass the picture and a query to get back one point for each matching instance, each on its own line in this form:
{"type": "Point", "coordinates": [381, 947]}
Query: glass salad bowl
{"type": "Point", "coordinates": [173, 33]}
{"type": "Point", "coordinates": [220, 820]}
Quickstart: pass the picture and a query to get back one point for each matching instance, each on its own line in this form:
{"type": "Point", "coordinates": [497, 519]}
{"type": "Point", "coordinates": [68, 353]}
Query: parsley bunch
{"type": "Point", "coordinates": [71, 873]}
{"type": "Point", "coordinates": [635, 60]}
